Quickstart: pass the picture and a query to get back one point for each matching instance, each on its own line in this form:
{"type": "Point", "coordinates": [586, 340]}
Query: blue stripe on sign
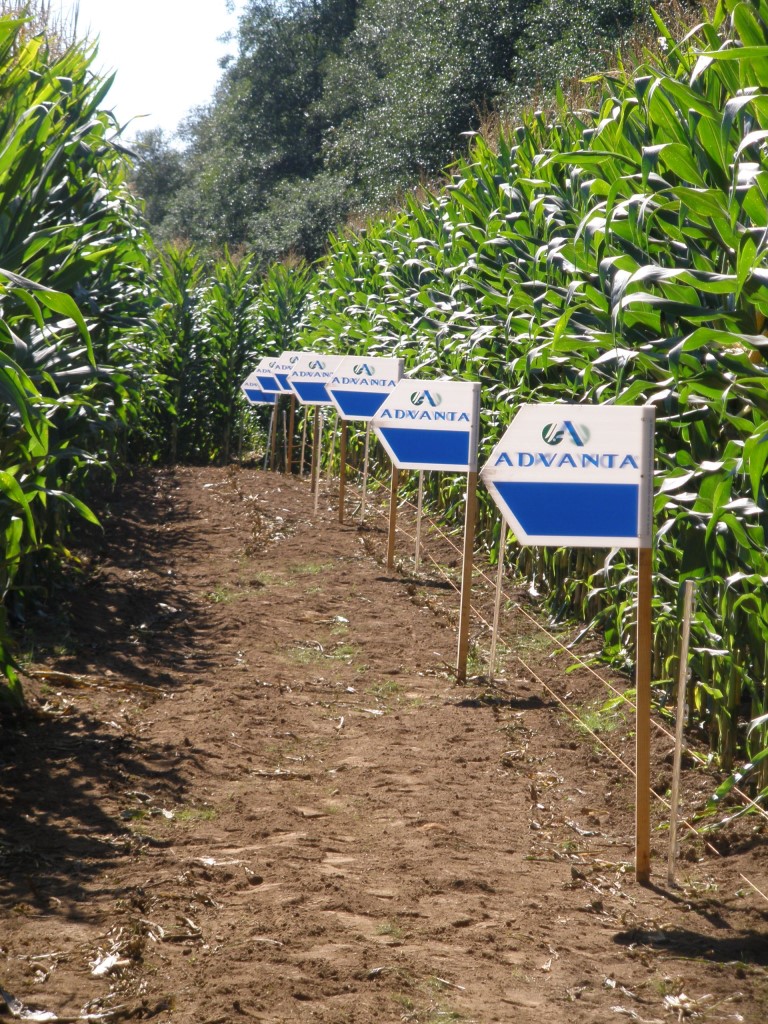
{"type": "Point", "coordinates": [430, 447]}
{"type": "Point", "coordinates": [572, 510]}
{"type": "Point", "coordinates": [359, 404]}
{"type": "Point", "coordinates": [268, 383]}
{"type": "Point", "coordinates": [259, 397]}
{"type": "Point", "coordinates": [311, 392]}
{"type": "Point", "coordinates": [282, 380]}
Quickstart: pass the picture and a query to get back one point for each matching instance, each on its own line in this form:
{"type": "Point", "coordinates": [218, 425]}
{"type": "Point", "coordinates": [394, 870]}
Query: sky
{"type": "Point", "coordinates": [164, 53]}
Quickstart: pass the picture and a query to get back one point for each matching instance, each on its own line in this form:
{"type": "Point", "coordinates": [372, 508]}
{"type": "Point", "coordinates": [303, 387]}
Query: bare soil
{"type": "Point", "coordinates": [250, 789]}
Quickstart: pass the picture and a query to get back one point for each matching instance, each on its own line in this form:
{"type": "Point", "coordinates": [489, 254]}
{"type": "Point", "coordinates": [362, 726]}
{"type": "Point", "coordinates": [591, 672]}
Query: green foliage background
{"type": "Point", "coordinates": [331, 108]}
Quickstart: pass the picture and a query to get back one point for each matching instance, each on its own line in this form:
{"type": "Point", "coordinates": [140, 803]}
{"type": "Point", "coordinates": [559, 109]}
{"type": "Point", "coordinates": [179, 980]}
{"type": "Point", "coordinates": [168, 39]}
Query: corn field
{"type": "Point", "coordinates": [612, 255]}
{"type": "Point", "coordinates": [110, 351]}
{"type": "Point", "coordinates": [68, 287]}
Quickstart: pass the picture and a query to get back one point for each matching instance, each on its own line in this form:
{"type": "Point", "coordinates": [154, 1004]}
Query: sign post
{"type": "Point", "coordinates": [365, 471]}
{"type": "Point", "coordinates": [281, 367]}
{"type": "Point", "coordinates": [302, 460]}
{"type": "Point", "coordinates": [289, 439]}
{"type": "Point", "coordinates": [271, 436]}
{"type": "Point", "coordinates": [313, 472]}
{"type": "Point", "coordinates": [358, 388]}
{"type": "Point", "coordinates": [342, 468]}
{"type": "Point", "coordinates": [318, 452]}
{"type": "Point", "coordinates": [308, 374]}
{"type": "Point", "coordinates": [392, 517]}
{"type": "Point", "coordinates": [434, 425]}
{"type": "Point", "coordinates": [419, 509]}
{"type": "Point", "coordinates": [273, 446]}
{"type": "Point", "coordinates": [582, 476]}
{"type": "Point", "coordinates": [497, 602]}
{"type": "Point", "coordinates": [466, 575]}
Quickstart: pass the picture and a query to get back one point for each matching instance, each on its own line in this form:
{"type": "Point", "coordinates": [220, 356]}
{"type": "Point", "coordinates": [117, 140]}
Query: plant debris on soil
{"type": "Point", "coordinates": [250, 788]}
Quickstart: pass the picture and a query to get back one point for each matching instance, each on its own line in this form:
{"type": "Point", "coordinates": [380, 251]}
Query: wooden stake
{"type": "Point", "coordinates": [682, 675]}
{"type": "Point", "coordinates": [466, 576]}
{"type": "Point", "coordinates": [365, 471]}
{"type": "Point", "coordinates": [313, 473]}
{"type": "Point", "coordinates": [319, 458]}
{"type": "Point", "coordinates": [303, 441]}
{"type": "Point", "coordinates": [289, 440]}
{"type": "Point", "coordinates": [497, 605]}
{"type": "Point", "coordinates": [342, 468]}
{"type": "Point", "coordinates": [332, 452]}
{"type": "Point", "coordinates": [392, 517]}
{"type": "Point", "coordinates": [285, 435]}
{"type": "Point", "coordinates": [270, 435]}
{"type": "Point", "coordinates": [643, 716]}
{"type": "Point", "coordinates": [273, 446]}
{"type": "Point", "coordinates": [419, 506]}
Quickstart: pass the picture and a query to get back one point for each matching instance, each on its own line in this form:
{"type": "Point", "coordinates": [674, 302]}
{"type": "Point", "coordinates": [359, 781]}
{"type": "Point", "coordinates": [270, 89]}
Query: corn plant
{"type": "Point", "coordinates": [69, 235]}
{"type": "Point", "coordinates": [226, 313]}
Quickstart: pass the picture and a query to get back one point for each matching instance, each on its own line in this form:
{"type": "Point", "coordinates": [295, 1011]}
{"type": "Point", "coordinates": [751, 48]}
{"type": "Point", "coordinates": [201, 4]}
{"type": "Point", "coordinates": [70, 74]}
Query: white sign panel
{"type": "Point", "coordinates": [283, 366]}
{"type": "Point", "coordinates": [253, 393]}
{"type": "Point", "coordinates": [309, 376]}
{"type": "Point", "coordinates": [576, 475]}
{"type": "Point", "coordinates": [360, 385]}
{"type": "Point", "coordinates": [431, 424]}
{"type": "Point", "coordinates": [265, 375]}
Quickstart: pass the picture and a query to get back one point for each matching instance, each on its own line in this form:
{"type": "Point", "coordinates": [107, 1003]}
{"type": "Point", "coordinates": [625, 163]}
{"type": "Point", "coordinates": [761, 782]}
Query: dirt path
{"type": "Point", "coordinates": [272, 802]}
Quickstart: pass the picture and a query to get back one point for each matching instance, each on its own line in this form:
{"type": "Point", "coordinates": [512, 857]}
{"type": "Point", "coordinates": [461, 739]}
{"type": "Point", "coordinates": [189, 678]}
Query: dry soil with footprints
{"type": "Point", "coordinates": [249, 788]}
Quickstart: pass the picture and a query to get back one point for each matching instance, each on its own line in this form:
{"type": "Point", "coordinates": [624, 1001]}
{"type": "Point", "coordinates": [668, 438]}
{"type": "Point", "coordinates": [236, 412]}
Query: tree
{"type": "Point", "coordinates": [158, 176]}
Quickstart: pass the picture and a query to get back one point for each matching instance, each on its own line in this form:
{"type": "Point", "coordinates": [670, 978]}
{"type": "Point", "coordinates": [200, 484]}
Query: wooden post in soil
{"type": "Point", "coordinates": [313, 473]}
{"type": "Point", "coordinates": [466, 576]}
{"type": "Point", "coordinates": [332, 452]}
{"type": "Point", "coordinates": [302, 460]}
{"type": "Point", "coordinates": [319, 460]}
{"type": "Point", "coordinates": [497, 602]}
{"type": "Point", "coordinates": [392, 517]}
{"type": "Point", "coordinates": [419, 511]}
{"type": "Point", "coordinates": [289, 439]}
{"type": "Point", "coordinates": [682, 679]}
{"type": "Point", "coordinates": [643, 656]}
{"type": "Point", "coordinates": [270, 435]}
{"type": "Point", "coordinates": [273, 445]}
{"type": "Point", "coordinates": [342, 468]}
{"type": "Point", "coordinates": [365, 471]}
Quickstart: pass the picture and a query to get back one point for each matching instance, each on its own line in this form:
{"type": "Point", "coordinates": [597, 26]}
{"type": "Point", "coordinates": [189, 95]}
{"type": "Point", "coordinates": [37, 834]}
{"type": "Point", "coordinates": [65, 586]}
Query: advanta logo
{"type": "Point", "coordinates": [316, 364]}
{"type": "Point", "coordinates": [554, 433]}
{"type": "Point", "coordinates": [430, 397]}
{"type": "Point", "coordinates": [293, 359]}
{"type": "Point", "coordinates": [362, 370]}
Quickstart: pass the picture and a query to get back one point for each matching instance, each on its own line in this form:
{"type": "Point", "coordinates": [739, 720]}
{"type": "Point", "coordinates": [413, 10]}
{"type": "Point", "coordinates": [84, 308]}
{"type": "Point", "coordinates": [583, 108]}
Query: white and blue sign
{"type": "Point", "coordinates": [253, 393]}
{"type": "Point", "coordinates": [282, 367]}
{"type": "Point", "coordinates": [265, 375]}
{"type": "Point", "coordinates": [360, 385]}
{"type": "Point", "coordinates": [431, 425]}
{"type": "Point", "coordinates": [576, 475]}
{"type": "Point", "coordinates": [309, 376]}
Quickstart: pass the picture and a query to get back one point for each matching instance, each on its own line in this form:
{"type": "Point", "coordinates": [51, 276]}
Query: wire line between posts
{"type": "Point", "coordinates": [684, 821]}
{"type": "Point", "coordinates": [748, 801]}
{"type": "Point", "coordinates": [658, 726]}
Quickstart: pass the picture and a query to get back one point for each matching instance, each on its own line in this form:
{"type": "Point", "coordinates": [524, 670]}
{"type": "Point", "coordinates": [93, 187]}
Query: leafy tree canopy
{"type": "Point", "coordinates": [332, 107]}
